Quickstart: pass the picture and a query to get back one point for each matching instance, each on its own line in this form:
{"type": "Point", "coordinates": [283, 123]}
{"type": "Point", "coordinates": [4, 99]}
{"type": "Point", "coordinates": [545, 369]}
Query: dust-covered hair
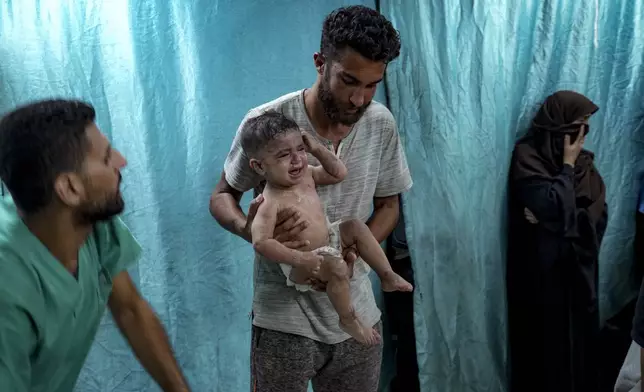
{"type": "Point", "coordinates": [258, 131]}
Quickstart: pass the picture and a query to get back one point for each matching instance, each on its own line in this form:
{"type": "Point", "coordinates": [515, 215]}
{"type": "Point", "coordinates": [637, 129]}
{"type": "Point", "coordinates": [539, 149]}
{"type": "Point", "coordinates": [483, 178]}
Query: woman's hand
{"type": "Point", "coordinates": [573, 149]}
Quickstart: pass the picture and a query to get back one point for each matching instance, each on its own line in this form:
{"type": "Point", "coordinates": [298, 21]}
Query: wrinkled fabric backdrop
{"type": "Point", "coordinates": [172, 79]}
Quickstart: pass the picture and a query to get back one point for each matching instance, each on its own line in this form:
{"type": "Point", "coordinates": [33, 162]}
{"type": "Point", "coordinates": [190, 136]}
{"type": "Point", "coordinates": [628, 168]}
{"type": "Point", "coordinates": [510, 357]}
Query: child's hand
{"type": "Point", "coordinates": [310, 262]}
{"type": "Point", "coordinates": [310, 143]}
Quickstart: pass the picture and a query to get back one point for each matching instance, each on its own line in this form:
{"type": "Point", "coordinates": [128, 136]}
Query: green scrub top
{"type": "Point", "coordinates": [48, 318]}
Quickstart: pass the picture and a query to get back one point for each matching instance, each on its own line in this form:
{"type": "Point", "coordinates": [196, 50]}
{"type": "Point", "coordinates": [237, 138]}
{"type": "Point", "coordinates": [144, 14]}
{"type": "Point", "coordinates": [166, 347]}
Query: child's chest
{"type": "Point", "coordinates": [304, 197]}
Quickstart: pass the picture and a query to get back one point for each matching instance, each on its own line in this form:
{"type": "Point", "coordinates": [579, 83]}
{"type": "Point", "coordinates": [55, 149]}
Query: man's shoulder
{"type": "Point", "coordinates": [18, 254]}
{"type": "Point", "coordinates": [16, 270]}
{"type": "Point", "coordinates": [116, 247]}
{"type": "Point", "coordinates": [20, 278]}
{"type": "Point", "coordinates": [377, 126]}
{"type": "Point", "coordinates": [380, 112]}
{"type": "Point", "coordinates": [378, 117]}
{"type": "Point", "coordinates": [13, 234]}
{"type": "Point", "coordinates": [286, 104]}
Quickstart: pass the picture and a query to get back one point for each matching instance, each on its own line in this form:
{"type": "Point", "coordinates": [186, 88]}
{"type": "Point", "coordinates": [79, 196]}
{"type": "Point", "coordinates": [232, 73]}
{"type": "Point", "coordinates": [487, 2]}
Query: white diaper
{"type": "Point", "coordinates": [333, 249]}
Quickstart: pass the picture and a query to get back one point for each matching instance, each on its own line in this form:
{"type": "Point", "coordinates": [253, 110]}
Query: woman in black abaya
{"type": "Point", "coordinates": [558, 218]}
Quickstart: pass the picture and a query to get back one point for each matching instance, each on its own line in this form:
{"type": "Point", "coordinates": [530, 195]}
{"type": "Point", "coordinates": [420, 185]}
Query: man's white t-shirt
{"type": "Point", "coordinates": [377, 167]}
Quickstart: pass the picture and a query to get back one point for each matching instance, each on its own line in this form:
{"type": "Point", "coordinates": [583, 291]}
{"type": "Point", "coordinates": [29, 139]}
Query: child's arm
{"type": "Point", "coordinates": [264, 243]}
{"type": "Point", "coordinates": [332, 169]}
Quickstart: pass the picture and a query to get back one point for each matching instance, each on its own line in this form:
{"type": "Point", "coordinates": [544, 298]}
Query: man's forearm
{"type": "Point", "coordinates": [227, 212]}
{"type": "Point", "coordinates": [384, 218]}
{"type": "Point", "coordinates": [143, 330]}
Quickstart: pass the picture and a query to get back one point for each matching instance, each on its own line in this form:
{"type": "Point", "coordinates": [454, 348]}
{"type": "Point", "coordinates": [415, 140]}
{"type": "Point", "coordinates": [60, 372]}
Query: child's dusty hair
{"type": "Point", "coordinates": [258, 131]}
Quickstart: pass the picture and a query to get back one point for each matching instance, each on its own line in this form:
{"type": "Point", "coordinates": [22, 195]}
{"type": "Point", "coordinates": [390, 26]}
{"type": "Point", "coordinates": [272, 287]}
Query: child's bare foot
{"type": "Point", "coordinates": [359, 332]}
{"type": "Point", "coordinates": [391, 281]}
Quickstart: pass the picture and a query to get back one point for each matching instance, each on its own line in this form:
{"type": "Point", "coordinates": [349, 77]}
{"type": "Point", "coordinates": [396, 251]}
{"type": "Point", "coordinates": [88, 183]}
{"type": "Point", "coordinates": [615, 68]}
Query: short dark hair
{"type": "Point", "coordinates": [362, 29]}
{"type": "Point", "coordinates": [38, 142]}
{"type": "Point", "coordinates": [260, 130]}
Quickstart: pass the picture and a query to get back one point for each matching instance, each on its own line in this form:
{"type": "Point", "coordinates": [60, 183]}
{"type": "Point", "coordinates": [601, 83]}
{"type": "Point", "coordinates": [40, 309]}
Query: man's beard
{"type": "Point", "coordinates": [93, 213]}
{"type": "Point", "coordinates": [333, 109]}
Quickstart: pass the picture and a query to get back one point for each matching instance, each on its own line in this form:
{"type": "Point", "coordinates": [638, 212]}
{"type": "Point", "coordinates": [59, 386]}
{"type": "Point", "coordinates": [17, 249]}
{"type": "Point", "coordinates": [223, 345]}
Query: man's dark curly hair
{"type": "Point", "coordinates": [362, 29]}
{"type": "Point", "coordinates": [38, 142]}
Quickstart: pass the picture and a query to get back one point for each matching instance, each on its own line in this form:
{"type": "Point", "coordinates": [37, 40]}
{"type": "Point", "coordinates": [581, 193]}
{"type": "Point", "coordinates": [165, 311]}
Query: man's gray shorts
{"type": "Point", "coordinates": [282, 362]}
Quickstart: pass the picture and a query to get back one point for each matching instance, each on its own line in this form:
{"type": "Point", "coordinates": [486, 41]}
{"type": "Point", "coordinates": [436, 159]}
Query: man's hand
{"type": "Point", "coordinates": [289, 225]}
{"type": "Point", "coordinates": [252, 211]}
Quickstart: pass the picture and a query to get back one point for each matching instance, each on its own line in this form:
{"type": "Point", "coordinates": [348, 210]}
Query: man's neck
{"type": "Point", "coordinates": [326, 128]}
{"type": "Point", "coordinates": [60, 235]}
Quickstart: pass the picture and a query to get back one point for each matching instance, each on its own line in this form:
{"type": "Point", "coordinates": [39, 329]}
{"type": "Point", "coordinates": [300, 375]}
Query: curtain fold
{"type": "Point", "coordinates": [470, 78]}
{"type": "Point", "coordinates": [171, 81]}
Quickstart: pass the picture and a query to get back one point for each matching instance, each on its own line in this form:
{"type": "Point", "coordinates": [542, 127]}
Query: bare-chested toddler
{"type": "Point", "coordinates": [277, 150]}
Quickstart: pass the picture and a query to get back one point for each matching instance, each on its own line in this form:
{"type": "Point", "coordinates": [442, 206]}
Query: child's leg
{"type": "Point", "coordinates": [299, 275]}
{"type": "Point", "coordinates": [334, 271]}
{"type": "Point", "coordinates": [354, 232]}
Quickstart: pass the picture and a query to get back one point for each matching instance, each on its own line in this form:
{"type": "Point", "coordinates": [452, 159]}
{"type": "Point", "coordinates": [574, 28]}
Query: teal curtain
{"type": "Point", "coordinates": [471, 76]}
{"type": "Point", "coordinates": [170, 80]}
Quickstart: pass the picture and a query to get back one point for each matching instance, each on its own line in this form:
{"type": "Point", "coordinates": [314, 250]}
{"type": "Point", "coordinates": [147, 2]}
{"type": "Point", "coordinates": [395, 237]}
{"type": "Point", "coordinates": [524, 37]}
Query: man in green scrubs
{"type": "Point", "coordinates": [64, 252]}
